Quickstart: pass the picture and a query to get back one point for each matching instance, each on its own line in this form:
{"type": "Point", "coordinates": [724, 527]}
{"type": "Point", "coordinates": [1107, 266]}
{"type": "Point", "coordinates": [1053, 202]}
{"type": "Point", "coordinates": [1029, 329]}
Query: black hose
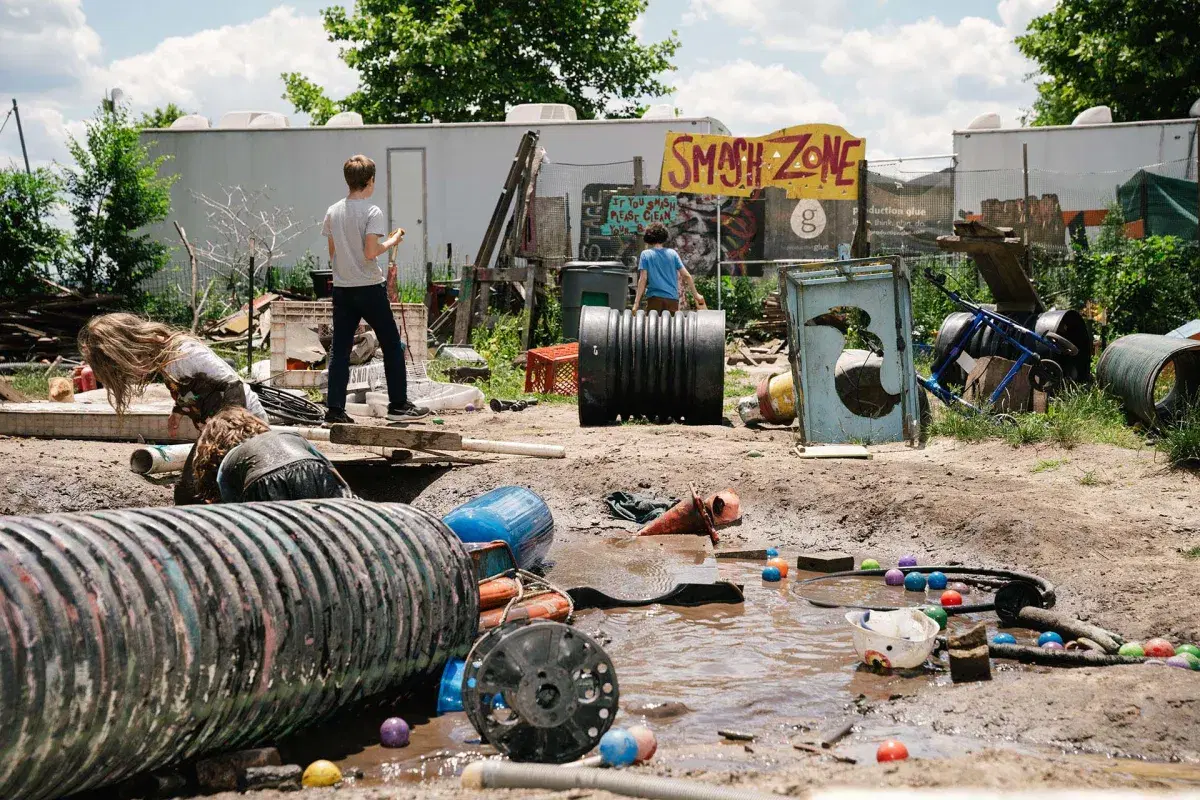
{"type": "Point", "coordinates": [1027, 654]}
{"type": "Point", "coordinates": [1045, 588]}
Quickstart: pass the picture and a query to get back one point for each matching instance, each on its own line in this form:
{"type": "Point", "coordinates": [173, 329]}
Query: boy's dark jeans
{"type": "Point", "coordinates": [369, 303]}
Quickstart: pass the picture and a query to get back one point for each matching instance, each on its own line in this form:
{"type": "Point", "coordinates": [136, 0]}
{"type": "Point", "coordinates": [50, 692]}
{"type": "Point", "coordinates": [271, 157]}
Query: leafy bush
{"type": "Point", "coordinates": [1147, 285]}
{"type": "Point", "coordinates": [930, 305]}
{"type": "Point", "coordinates": [501, 344]}
{"type": "Point", "coordinates": [741, 298]}
{"type": "Point", "coordinates": [114, 193]}
{"type": "Point", "coordinates": [31, 247]}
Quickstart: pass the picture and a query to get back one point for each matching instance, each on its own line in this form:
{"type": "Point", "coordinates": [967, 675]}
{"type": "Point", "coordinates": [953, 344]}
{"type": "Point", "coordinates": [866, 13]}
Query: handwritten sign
{"type": "Point", "coordinates": [635, 213]}
{"type": "Point", "coordinates": [811, 162]}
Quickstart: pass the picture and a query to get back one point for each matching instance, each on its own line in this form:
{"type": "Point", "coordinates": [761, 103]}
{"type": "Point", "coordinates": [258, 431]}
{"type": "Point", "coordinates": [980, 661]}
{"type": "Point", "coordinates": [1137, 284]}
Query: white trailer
{"type": "Point", "coordinates": [1074, 170]}
{"type": "Point", "coordinates": [440, 182]}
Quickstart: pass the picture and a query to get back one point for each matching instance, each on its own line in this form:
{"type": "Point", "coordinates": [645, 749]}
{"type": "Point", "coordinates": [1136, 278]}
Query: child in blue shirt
{"type": "Point", "coordinates": [659, 271]}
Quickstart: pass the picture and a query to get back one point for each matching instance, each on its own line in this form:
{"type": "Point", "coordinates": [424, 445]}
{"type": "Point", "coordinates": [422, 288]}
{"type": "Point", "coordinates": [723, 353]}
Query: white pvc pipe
{"type": "Point", "coordinates": [506, 775]}
{"type": "Point", "coordinates": [159, 459]}
{"type": "Point", "coordinates": [515, 448]}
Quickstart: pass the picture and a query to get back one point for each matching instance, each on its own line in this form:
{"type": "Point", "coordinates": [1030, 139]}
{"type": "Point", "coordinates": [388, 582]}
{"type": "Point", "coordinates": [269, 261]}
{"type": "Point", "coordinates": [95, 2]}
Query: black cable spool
{"type": "Point", "coordinates": [540, 691]}
{"type": "Point", "coordinates": [653, 364]}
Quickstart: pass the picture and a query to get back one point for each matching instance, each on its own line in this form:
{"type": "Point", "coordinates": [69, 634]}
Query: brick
{"type": "Point", "coordinates": [280, 778]}
{"type": "Point", "coordinates": [221, 773]}
{"type": "Point", "coordinates": [825, 561]}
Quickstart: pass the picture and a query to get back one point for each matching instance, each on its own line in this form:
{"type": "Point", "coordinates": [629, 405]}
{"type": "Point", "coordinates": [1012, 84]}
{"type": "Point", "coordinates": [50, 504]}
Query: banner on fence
{"type": "Point", "coordinates": [632, 214]}
{"type": "Point", "coordinates": [810, 162]}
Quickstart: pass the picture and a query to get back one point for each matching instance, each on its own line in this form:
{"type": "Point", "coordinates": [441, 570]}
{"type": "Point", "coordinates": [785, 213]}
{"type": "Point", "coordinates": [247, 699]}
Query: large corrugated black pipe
{"type": "Point", "coordinates": [651, 364]}
{"type": "Point", "coordinates": [135, 639]}
{"type": "Point", "coordinates": [1130, 368]}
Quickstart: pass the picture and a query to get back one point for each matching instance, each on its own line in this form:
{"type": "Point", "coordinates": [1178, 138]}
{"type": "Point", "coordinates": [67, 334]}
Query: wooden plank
{"type": "Point", "coordinates": [400, 438]}
{"type": "Point", "coordinates": [514, 275]}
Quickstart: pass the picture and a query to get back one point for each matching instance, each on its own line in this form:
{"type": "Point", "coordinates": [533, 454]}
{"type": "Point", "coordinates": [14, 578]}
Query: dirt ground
{"type": "Point", "coordinates": [1108, 527]}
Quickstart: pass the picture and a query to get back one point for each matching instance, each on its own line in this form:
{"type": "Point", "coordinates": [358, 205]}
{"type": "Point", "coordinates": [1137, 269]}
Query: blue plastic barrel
{"type": "Point", "coordinates": [450, 689]}
{"type": "Point", "coordinates": [511, 514]}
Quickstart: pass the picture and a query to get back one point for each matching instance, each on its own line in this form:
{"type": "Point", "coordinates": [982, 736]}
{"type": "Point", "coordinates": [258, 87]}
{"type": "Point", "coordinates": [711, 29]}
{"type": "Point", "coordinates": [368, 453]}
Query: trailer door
{"type": "Point", "coordinates": [406, 207]}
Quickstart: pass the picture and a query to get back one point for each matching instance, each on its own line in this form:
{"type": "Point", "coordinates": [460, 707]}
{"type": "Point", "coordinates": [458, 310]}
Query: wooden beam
{"type": "Point", "coordinates": [400, 438]}
{"type": "Point", "coordinates": [514, 275]}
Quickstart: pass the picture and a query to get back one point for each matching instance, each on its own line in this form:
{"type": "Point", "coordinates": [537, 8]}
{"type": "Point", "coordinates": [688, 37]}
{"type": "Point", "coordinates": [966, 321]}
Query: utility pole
{"type": "Point", "coordinates": [21, 135]}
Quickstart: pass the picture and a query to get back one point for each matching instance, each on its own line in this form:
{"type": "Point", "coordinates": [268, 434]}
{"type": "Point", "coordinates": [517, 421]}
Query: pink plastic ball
{"type": "Point", "coordinates": [893, 577]}
{"type": "Point", "coordinates": [647, 742]}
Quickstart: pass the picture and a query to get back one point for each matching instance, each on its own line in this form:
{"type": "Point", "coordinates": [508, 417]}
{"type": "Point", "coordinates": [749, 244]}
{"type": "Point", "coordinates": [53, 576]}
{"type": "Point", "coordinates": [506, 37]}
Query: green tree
{"type": "Point", "coordinates": [469, 60]}
{"type": "Point", "coordinates": [1142, 59]}
{"type": "Point", "coordinates": [161, 117]}
{"type": "Point", "coordinates": [31, 246]}
{"type": "Point", "coordinates": [115, 191]}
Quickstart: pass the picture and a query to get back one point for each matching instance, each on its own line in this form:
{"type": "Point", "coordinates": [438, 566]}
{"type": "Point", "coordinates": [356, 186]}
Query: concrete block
{"type": "Point", "coordinates": [825, 561]}
{"type": "Point", "coordinates": [280, 778]}
{"type": "Point", "coordinates": [973, 637]}
{"type": "Point", "coordinates": [221, 773]}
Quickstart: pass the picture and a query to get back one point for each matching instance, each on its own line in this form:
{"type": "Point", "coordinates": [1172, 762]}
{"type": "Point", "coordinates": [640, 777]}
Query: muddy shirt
{"type": "Point", "coordinates": [302, 471]}
{"type": "Point", "coordinates": [202, 384]}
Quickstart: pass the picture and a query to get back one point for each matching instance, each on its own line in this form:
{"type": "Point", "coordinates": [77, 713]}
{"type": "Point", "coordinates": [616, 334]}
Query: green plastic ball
{"type": "Point", "coordinates": [1132, 649]}
{"type": "Point", "coordinates": [938, 615]}
{"type": "Point", "coordinates": [1188, 648]}
{"type": "Point", "coordinates": [869, 563]}
{"type": "Point", "coordinates": [1192, 659]}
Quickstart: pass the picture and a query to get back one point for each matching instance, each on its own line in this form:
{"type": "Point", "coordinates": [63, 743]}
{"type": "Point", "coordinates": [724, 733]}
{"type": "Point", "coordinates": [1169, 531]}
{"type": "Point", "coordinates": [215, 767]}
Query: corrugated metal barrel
{"type": "Point", "coordinates": [134, 639]}
{"type": "Point", "coordinates": [1130, 368]}
{"type": "Point", "coordinates": [651, 364]}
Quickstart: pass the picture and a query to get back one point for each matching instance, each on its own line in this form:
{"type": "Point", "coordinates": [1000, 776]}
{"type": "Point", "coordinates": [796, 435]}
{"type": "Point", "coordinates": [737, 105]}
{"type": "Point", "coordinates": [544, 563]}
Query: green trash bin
{"type": "Point", "coordinates": [591, 283]}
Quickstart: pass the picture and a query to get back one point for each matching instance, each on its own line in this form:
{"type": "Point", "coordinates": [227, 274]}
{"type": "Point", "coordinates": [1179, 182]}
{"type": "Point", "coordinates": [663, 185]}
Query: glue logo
{"type": "Point", "coordinates": [808, 219]}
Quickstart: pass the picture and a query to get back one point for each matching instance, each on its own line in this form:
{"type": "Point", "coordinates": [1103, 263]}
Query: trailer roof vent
{"type": "Point", "coordinates": [346, 119]}
{"type": "Point", "coordinates": [541, 112]}
{"type": "Point", "coordinates": [661, 111]}
{"type": "Point", "coordinates": [985, 122]}
{"type": "Point", "coordinates": [1195, 112]}
{"type": "Point", "coordinates": [191, 122]}
{"type": "Point", "coordinates": [242, 119]}
{"type": "Point", "coordinates": [1096, 115]}
{"type": "Point", "coordinates": [270, 119]}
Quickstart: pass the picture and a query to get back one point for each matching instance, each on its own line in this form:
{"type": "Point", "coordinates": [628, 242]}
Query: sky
{"type": "Point", "coordinates": [902, 73]}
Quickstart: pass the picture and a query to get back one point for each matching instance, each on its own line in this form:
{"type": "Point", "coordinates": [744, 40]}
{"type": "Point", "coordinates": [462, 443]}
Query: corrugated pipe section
{"type": "Point", "coordinates": [1130, 367]}
{"type": "Point", "coordinates": [135, 639]}
{"type": "Point", "coordinates": [651, 364]}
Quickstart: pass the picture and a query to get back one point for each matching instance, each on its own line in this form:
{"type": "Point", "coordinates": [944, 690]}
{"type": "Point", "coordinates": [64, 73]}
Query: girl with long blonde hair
{"type": "Point", "coordinates": [127, 352]}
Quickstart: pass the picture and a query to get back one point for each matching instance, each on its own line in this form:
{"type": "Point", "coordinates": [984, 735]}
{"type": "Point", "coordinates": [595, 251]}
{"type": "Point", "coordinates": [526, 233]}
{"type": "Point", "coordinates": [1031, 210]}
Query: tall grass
{"type": "Point", "coordinates": [1080, 415]}
{"type": "Point", "coordinates": [1180, 441]}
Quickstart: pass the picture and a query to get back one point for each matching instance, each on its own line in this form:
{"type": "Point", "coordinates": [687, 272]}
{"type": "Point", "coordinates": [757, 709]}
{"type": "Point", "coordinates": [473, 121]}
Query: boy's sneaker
{"type": "Point", "coordinates": [407, 413]}
{"type": "Point", "coordinates": [338, 417]}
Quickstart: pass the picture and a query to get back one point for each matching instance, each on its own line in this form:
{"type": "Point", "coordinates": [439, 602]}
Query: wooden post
{"type": "Point", "coordinates": [639, 185]}
{"type": "Point", "coordinates": [430, 294]}
{"type": "Point", "coordinates": [465, 306]}
{"type": "Point", "coordinates": [250, 314]}
{"type": "Point", "coordinates": [1025, 206]}
{"type": "Point", "coordinates": [530, 303]}
{"type": "Point", "coordinates": [1198, 182]}
{"type": "Point", "coordinates": [719, 253]}
{"type": "Point", "coordinates": [860, 246]}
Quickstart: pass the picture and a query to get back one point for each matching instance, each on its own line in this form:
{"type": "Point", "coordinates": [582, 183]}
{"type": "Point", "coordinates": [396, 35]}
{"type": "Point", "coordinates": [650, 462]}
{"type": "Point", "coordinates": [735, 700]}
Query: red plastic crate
{"type": "Point", "coordinates": [553, 369]}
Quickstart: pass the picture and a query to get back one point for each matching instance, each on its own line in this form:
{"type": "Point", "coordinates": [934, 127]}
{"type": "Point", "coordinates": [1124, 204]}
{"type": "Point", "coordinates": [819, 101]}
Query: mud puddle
{"type": "Point", "coordinates": [775, 667]}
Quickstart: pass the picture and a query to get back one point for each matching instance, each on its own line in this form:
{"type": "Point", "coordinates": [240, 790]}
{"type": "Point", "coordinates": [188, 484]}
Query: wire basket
{"type": "Point", "coordinates": [553, 370]}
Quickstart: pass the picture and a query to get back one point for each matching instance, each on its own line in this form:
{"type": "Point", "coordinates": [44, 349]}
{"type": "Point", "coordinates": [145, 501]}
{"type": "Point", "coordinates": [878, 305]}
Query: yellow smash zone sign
{"type": "Point", "coordinates": [810, 162]}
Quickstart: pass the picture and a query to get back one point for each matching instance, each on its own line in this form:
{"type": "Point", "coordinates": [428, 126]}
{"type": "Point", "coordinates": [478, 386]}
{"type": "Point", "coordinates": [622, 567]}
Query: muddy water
{"type": "Point", "coordinates": [775, 667]}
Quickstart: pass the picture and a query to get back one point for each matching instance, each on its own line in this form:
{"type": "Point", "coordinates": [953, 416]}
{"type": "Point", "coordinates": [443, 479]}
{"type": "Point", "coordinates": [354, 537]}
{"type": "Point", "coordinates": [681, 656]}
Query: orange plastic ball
{"type": "Point", "coordinates": [780, 565]}
{"type": "Point", "coordinates": [891, 750]}
{"type": "Point", "coordinates": [951, 598]}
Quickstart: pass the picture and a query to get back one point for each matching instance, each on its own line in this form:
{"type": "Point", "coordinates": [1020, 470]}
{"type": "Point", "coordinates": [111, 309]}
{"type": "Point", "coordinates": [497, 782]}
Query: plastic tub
{"type": "Point", "coordinates": [511, 514]}
{"type": "Point", "coordinates": [322, 281]}
{"type": "Point", "coordinates": [900, 639]}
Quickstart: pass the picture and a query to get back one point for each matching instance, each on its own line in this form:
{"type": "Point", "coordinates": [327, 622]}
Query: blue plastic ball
{"type": "Point", "coordinates": [772, 552]}
{"type": "Point", "coordinates": [1004, 638]}
{"type": "Point", "coordinates": [1049, 636]}
{"type": "Point", "coordinates": [914, 582]}
{"type": "Point", "coordinates": [772, 575]}
{"type": "Point", "coordinates": [937, 580]}
{"type": "Point", "coordinates": [618, 748]}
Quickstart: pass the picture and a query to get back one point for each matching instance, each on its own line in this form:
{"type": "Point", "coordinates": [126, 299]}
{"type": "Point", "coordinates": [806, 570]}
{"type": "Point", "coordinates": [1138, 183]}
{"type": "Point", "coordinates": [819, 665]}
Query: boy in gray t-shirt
{"type": "Point", "coordinates": [353, 227]}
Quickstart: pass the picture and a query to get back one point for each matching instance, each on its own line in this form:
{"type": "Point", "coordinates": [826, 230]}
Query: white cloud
{"type": "Point", "coordinates": [799, 25]}
{"type": "Point", "coordinates": [235, 67]}
{"type": "Point", "coordinates": [752, 99]}
{"type": "Point", "coordinates": [44, 44]}
{"type": "Point", "coordinates": [1017, 14]}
